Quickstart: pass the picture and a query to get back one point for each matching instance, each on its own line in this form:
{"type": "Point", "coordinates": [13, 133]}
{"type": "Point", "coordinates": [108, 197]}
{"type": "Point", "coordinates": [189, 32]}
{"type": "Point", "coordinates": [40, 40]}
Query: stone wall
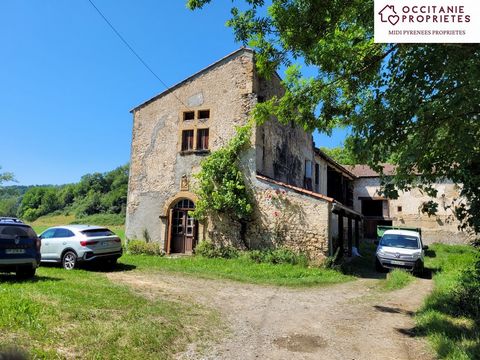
{"type": "Point", "coordinates": [284, 217]}
{"type": "Point", "coordinates": [281, 150]}
{"type": "Point", "coordinates": [406, 210]}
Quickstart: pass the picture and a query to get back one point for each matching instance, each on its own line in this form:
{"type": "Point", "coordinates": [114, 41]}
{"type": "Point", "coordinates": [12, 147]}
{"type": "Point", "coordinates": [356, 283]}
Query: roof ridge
{"type": "Point", "coordinates": [198, 73]}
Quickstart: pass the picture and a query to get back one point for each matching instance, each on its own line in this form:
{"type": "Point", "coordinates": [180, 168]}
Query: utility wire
{"type": "Point", "coordinates": [133, 50]}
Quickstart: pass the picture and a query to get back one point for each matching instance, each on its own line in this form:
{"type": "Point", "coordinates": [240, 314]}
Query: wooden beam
{"type": "Point", "coordinates": [340, 235]}
{"type": "Point", "coordinates": [357, 234]}
{"type": "Point", "coordinates": [349, 235]}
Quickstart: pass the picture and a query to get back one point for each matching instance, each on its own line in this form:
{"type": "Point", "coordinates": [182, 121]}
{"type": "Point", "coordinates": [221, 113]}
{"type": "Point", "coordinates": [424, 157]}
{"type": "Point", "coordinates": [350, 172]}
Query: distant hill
{"type": "Point", "coordinates": [96, 193]}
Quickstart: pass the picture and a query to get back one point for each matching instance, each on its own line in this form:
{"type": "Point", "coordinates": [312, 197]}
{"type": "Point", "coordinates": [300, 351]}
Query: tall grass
{"type": "Point", "coordinates": [453, 333]}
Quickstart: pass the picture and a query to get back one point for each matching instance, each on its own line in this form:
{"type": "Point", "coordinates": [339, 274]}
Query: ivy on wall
{"type": "Point", "coordinates": [221, 186]}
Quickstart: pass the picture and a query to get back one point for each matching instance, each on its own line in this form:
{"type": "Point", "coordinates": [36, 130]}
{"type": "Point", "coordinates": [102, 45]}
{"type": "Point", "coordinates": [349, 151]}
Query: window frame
{"type": "Point", "coordinates": [187, 144]}
{"type": "Point", "coordinates": [200, 138]}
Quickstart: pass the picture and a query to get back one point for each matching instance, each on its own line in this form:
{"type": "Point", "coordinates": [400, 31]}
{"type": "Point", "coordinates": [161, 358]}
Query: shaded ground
{"type": "Point", "coordinates": [354, 320]}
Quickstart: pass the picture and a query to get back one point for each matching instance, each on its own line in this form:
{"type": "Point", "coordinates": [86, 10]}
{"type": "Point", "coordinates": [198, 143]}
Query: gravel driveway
{"type": "Point", "coordinates": [354, 320]}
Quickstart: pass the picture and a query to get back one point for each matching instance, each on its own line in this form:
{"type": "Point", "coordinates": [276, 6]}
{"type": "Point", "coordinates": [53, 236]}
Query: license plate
{"type": "Point", "coordinates": [105, 243]}
{"type": "Point", "coordinates": [15, 251]}
{"type": "Point", "coordinates": [395, 262]}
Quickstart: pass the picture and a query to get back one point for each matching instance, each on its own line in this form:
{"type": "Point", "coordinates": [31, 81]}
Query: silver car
{"type": "Point", "coordinates": [400, 249]}
{"type": "Point", "coordinates": [72, 244]}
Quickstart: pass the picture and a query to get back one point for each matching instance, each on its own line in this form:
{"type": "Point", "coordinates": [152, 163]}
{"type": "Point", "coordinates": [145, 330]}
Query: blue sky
{"type": "Point", "coordinates": [67, 82]}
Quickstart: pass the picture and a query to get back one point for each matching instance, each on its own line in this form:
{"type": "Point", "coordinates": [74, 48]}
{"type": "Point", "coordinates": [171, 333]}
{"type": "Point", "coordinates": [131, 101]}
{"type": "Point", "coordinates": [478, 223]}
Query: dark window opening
{"type": "Point", "coordinates": [187, 140]}
{"type": "Point", "coordinates": [372, 208]}
{"type": "Point", "coordinates": [189, 115]}
{"type": "Point", "coordinates": [399, 208]}
{"type": "Point", "coordinates": [308, 175]}
{"type": "Point", "coordinates": [202, 139]}
{"type": "Point", "coordinates": [204, 114]}
{"type": "Point", "coordinates": [339, 187]}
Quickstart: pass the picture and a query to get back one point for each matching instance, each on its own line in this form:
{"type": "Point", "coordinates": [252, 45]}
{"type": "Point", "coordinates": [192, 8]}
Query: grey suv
{"type": "Point", "coordinates": [71, 244]}
{"type": "Point", "coordinates": [19, 248]}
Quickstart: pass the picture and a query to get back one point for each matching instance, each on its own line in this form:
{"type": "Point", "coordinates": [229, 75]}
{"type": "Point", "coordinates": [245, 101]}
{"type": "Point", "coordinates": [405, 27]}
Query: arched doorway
{"type": "Point", "coordinates": [183, 227]}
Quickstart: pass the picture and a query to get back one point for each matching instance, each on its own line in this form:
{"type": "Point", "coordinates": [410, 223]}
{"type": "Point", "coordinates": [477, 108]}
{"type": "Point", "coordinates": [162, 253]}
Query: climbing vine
{"type": "Point", "coordinates": [221, 186]}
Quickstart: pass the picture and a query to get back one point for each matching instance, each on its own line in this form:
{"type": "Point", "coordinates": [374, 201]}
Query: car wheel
{"type": "Point", "coordinates": [69, 260]}
{"type": "Point", "coordinates": [420, 270]}
{"type": "Point", "coordinates": [111, 264]}
{"type": "Point", "coordinates": [25, 273]}
{"type": "Point", "coordinates": [378, 266]}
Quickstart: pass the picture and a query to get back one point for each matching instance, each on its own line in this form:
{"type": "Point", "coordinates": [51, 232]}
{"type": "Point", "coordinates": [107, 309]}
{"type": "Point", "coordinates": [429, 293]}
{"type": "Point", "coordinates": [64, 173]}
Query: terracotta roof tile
{"type": "Point", "coordinates": [367, 171]}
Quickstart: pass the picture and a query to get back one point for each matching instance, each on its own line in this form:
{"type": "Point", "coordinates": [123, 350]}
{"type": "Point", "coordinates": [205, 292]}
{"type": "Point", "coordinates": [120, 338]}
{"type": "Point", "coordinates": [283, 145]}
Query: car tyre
{"type": "Point", "coordinates": [69, 260]}
{"type": "Point", "coordinates": [420, 270]}
{"type": "Point", "coordinates": [25, 273]}
{"type": "Point", "coordinates": [379, 267]}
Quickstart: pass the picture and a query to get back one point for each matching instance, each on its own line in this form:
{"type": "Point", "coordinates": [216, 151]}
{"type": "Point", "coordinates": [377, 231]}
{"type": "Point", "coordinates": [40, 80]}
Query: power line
{"type": "Point", "coordinates": [133, 50]}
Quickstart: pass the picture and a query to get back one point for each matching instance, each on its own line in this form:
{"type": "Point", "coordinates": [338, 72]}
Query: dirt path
{"type": "Point", "coordinates": [347, 321]}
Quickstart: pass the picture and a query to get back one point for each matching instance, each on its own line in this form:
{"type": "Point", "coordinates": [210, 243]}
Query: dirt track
{"type": "Point", "coordinates": [347, 321]}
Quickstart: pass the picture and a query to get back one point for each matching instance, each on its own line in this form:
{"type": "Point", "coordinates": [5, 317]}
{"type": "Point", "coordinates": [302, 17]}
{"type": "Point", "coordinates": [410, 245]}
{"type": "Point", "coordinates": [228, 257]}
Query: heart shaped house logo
{"type": "Point", "coordinates": [388, 14]}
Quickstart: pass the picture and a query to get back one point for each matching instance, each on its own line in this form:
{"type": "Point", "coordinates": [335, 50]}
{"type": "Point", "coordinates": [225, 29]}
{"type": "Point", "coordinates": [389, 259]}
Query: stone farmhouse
{"type": "Point", "coordinates": [304, 200]}
{"type": "Point", "coordinates": [407, 209]}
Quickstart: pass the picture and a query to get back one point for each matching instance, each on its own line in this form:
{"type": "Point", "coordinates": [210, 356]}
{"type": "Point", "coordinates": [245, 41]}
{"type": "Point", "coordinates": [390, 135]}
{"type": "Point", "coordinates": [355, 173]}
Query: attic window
{"type": "Point", "coordinates": [188, 115]}
{"type": "Point", "coordinates": [204, 114]}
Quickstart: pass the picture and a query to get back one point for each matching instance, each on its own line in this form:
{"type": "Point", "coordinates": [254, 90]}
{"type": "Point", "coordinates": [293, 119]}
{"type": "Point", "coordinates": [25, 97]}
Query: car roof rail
{"type": "Point", "coordinates": [6, 219]}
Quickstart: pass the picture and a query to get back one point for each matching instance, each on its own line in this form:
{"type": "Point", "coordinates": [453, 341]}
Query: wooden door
{"type": "Point", "coordinates": [183, 228]}
{"type": "Point", "coordinates": [178, 232]}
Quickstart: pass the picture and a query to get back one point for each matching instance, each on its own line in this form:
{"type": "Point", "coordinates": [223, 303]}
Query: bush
{"type": "Point", "coordinates": [467, 293]}
{"type": "Point", "coordinates": [333, 262]}
{"type": "Point", "coordinates": [140, 247]}
{"type": "Point", "coordinates": [209, 250]}
{"type": "Point", "coordinates": [277, 256]}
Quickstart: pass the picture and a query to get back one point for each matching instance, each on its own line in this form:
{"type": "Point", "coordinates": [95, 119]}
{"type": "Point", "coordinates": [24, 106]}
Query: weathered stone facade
{"type": "Point", "coordinates": [406, 210]}
{"type": "Point", "coordinates": [165, 154]}
{"type": "Point", "coordinates": [157, 164]}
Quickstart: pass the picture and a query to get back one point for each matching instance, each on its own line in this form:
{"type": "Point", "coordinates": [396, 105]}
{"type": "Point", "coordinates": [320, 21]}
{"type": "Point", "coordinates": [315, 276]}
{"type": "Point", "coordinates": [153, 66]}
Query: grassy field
{"type": "Point", "coordinates": [239, 269]}
{"type": "Point", "coordinates": [81, 314]}
{"type": "Point", "coordinates": [453, 335]}
{"type": "Point", "coordinates": [44, 222]}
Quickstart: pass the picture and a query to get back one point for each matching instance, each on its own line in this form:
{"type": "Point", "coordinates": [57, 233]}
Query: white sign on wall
{"type": "Point", "coordinates": [427, 21]}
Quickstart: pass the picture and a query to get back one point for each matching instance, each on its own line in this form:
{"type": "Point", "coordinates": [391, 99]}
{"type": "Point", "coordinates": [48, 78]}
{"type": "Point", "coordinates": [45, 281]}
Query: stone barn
{"type": "Point", "coordinates": [303, 199]}
{"type": "Point", "coordinates": [406, 210]}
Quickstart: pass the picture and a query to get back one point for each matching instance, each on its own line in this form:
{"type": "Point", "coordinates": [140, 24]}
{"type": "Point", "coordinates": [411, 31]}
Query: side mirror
{"type": "Point", "coordinates": [425, 247]}
{"type": "Point", "coordinates": [376, 242]}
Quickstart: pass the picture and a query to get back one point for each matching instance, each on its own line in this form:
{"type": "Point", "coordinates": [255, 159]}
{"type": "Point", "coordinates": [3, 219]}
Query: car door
{"type": "Point", "coordinates": [47, 244]}
{"type": "Point", "coordinates": [60, 241]}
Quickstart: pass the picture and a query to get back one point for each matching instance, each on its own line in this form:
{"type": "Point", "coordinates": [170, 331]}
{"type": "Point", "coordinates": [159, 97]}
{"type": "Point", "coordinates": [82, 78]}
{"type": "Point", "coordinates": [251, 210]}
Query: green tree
{"type": "Point", "coordinates": [6, 176]}
{"type": "Point", "coordinates": [340, 154]}
{"type": "Point", "coordinates": [415, 104]}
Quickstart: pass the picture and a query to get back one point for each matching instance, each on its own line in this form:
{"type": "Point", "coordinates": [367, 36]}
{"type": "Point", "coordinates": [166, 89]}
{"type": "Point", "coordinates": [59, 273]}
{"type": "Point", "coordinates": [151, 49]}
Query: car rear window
{"type": "Point", "coordinates": [97, 232]}
{"type": "Point", "coordinates": [400, 241]}
{"type": "Point", "coordinates": [14, 231]}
